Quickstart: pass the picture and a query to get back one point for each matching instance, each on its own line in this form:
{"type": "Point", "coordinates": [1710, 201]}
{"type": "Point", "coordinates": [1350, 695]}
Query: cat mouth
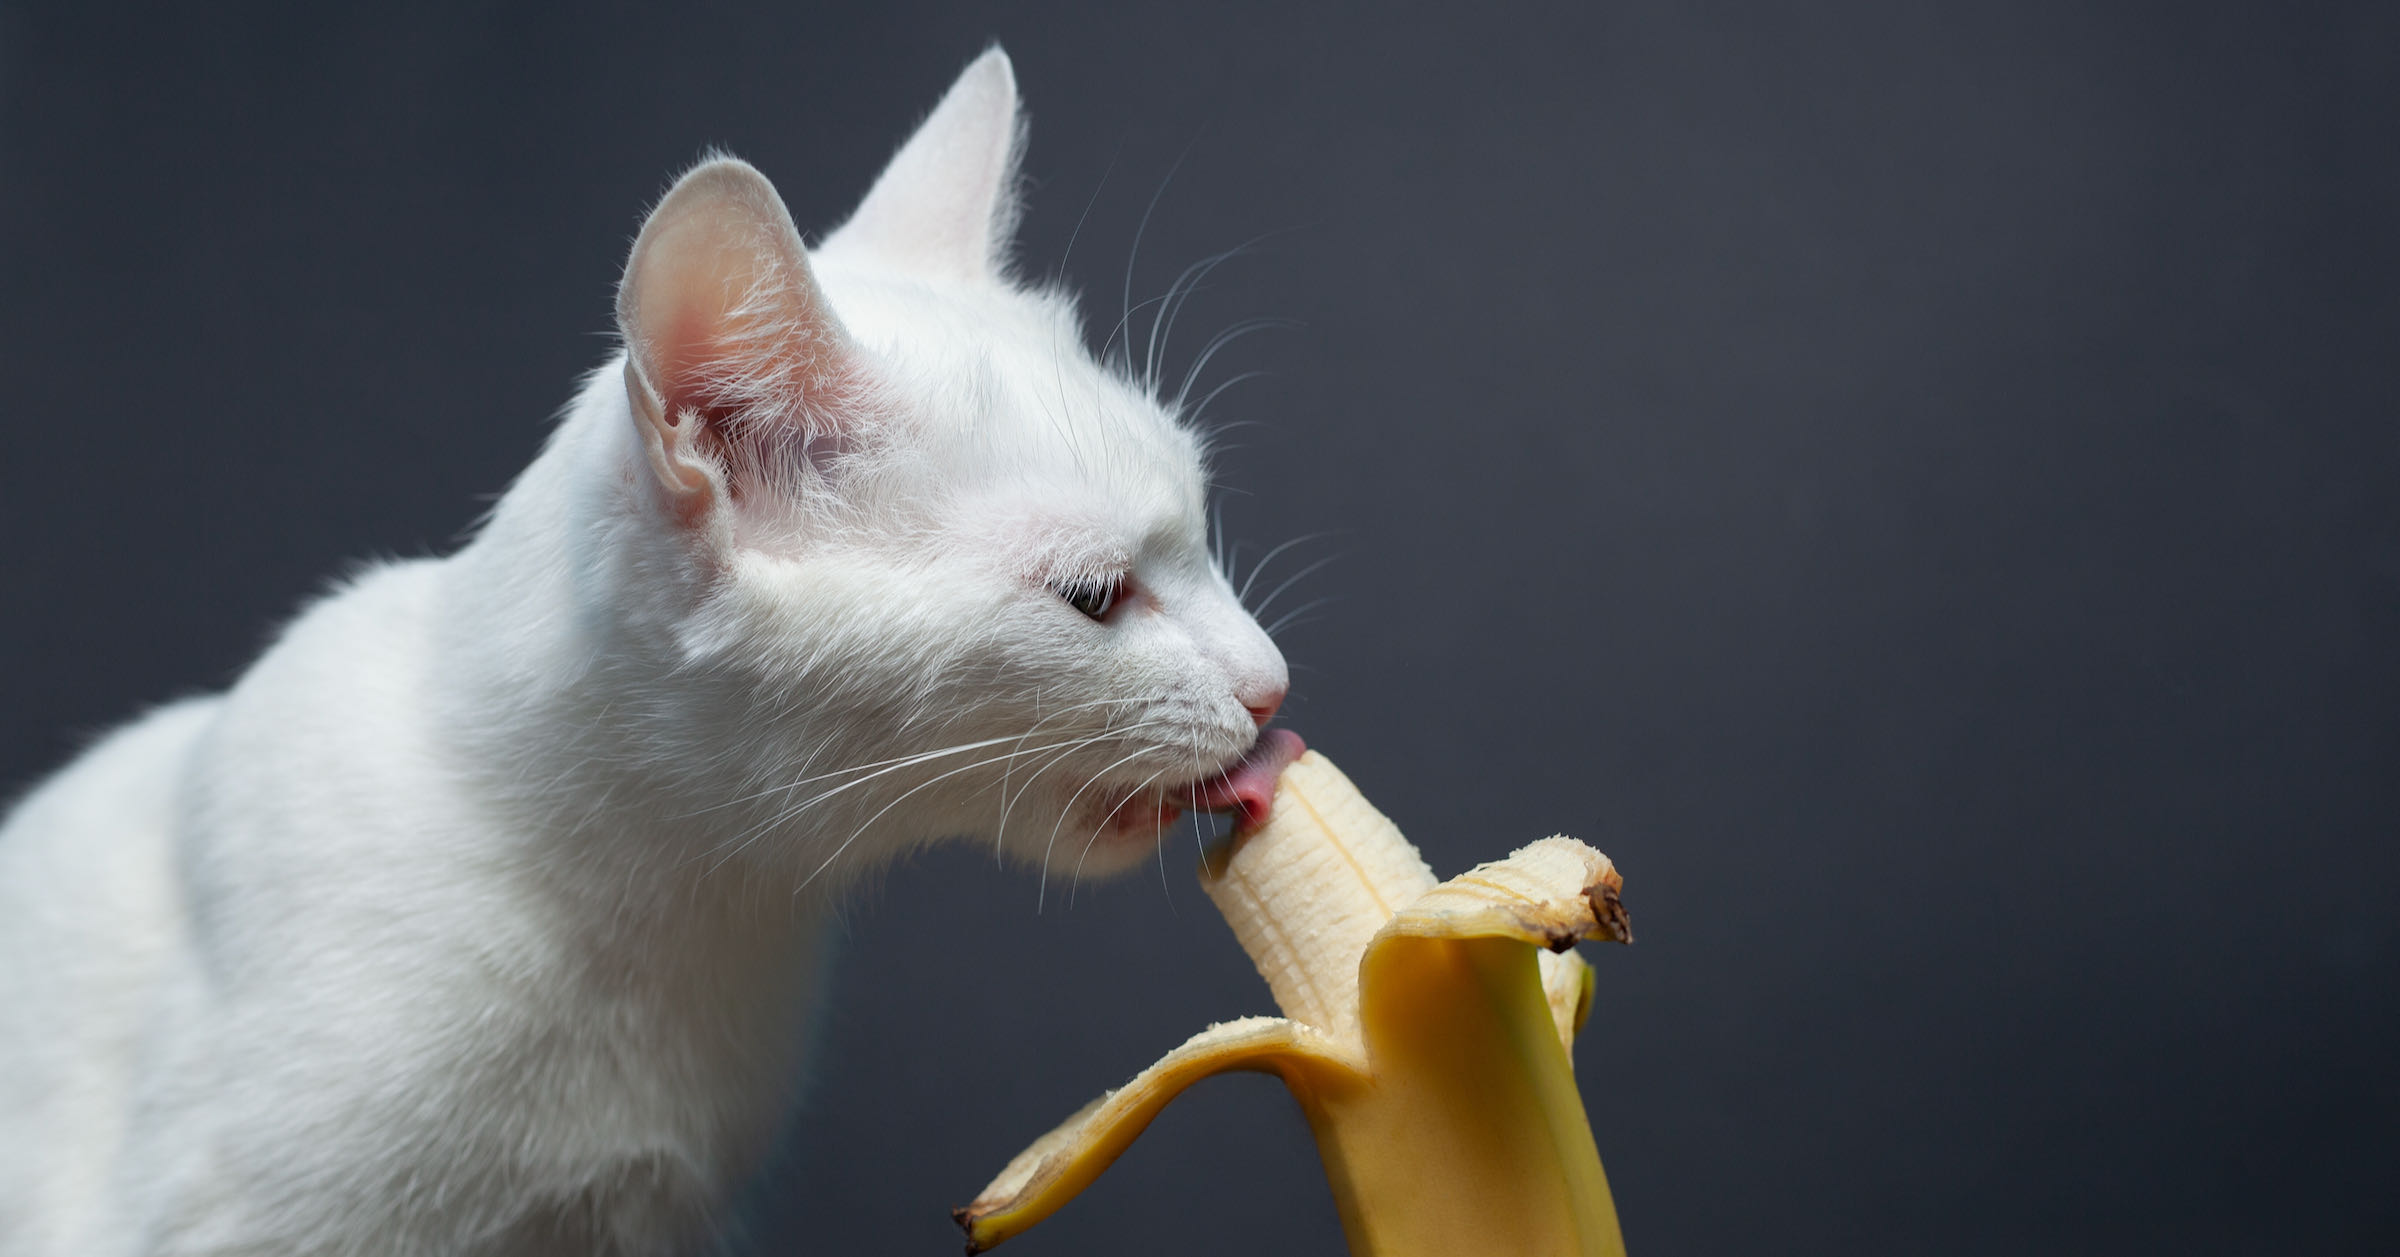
{"type": "Point", "coordinates": [1245, 787]}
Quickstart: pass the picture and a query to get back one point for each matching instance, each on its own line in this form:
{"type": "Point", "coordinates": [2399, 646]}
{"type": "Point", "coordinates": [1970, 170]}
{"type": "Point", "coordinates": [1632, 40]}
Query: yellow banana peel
{"type": "Point", "coordinates": [1426, 1035]}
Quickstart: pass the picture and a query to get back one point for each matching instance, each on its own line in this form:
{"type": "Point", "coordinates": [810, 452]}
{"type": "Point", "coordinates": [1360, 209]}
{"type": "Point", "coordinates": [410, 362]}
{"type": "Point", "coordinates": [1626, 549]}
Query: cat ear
{"type": "Point", "coordinates": [732, 353]}
{"type": "Point", "coordinates": [947, 203]}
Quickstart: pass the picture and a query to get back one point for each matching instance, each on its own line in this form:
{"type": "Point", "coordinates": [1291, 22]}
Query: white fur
{"type": "Point", "coordinates": [482, 915]}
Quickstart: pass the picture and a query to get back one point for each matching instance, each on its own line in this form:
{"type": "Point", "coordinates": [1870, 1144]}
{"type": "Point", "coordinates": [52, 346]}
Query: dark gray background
{"type": "Point", "coordinates": [1913, 482]}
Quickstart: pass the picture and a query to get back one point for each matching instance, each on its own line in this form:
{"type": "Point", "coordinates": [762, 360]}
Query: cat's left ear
{"type": "Point", "coordinates": [947, 204]}
{"type": "Point", "coordinates": [734, 362]}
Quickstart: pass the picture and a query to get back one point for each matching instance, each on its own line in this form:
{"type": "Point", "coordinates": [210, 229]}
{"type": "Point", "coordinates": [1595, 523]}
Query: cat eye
{"type": "Point", "coordinates": [1094, 596]}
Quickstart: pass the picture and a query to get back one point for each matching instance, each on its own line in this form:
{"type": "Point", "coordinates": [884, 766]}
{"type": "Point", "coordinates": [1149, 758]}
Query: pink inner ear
{"type": "Point", "coordinates": [686, 363]}
{"type": "Point", "coordinates": [727, 325]}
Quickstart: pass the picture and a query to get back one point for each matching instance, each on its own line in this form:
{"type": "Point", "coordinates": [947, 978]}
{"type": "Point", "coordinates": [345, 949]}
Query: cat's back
{"type": "Point", "coordinates": [86, 875]}
{"type": "Point", "coordinates": [89, 919]}
{"type": "Point", "coordinates": [110, 868]}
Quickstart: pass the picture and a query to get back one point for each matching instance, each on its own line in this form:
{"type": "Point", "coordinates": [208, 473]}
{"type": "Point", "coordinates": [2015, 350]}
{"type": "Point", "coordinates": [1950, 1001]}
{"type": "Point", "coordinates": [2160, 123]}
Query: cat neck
{"type": "Point", "coordinates": [562, 681]}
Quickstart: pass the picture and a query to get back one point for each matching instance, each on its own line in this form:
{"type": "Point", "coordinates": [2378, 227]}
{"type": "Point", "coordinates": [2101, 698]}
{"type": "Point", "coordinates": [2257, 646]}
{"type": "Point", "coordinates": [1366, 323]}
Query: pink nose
{"type": "Point", "coordinates": [1263, 709]}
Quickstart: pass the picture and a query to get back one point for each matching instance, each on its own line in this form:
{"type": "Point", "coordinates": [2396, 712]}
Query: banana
{"type": "Point", "coordinates": [1426, 1035]}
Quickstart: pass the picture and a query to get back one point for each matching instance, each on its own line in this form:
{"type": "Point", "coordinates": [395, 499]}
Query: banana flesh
{"type": "Point", "coordinates": [1426, 1034]}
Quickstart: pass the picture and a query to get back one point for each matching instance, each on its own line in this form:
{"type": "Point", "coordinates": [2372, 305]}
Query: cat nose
{"type": "Point", "coordinates": [1263, 707]}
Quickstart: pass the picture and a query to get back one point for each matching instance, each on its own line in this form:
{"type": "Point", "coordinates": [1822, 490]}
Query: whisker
{"type": "Point", "coordinates": [1218, 342]}
{"type": "Point", "coordinates": [1297, 615]}
{"type": "Point", "coordinates": [1108, 344]}
{"type": "Point", "coordinates": [1242, 595]}
{"type": "Point", "coordinates": [1199, 848]}
{"type": "Point", "coordinates": [1134, 254]}
{"type": "Point", "coordinates": [1201, 411]}
{"type": "Point", "coordinates": [1216, 535]}
{"type": "Point", "coordinates": [1168, 305]}
{"type": "Point", "coordinates": [1094, 840]}
{"type": "Point", "coordinates": [916, 757]}
{"type": "Point", "coordinates": [1269, 600]}
{"type": "Point", "coordinates": [785, 815]}
{"type": "Point", "coordinates": [1041, 896]}
{"type": "Point", "coordinates": [1060, 272]}
{"type": "Point", "coordinates": [1190, 282]}
{"type": "Point", "coordinates": [1008, 803]}
{"type": "Point", "coordinates": [869, 823]}
{"type": "Point", "coordinates": [888, 765]}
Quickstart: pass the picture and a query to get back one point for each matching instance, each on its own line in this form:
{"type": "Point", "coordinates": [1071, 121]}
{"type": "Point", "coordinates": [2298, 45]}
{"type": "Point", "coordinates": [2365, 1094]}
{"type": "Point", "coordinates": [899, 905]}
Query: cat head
{"type": "Point", "coordinates": [943, 572]}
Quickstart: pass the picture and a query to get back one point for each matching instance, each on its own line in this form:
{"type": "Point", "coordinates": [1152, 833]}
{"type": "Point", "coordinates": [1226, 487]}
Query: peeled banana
{"type": "Point", "coordinates": [1426, 1036]}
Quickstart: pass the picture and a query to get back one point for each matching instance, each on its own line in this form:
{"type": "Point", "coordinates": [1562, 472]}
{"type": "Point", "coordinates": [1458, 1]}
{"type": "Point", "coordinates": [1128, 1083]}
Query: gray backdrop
{"type": "Point", "coordinates": [1912, 482]}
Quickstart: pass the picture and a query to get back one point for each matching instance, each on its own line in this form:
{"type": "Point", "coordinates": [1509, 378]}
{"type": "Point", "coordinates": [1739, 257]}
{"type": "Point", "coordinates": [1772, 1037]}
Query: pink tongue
{"type": "Point", "coordinates": [1249, 786]}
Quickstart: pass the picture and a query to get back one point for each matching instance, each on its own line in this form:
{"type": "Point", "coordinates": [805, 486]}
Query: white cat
{"type": "Point", "coordinates": [482, 914]}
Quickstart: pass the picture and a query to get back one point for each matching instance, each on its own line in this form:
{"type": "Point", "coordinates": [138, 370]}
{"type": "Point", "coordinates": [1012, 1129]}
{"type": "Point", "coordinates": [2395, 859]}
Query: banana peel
{"type": "Point", "coordinates": [1427, 1035]}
